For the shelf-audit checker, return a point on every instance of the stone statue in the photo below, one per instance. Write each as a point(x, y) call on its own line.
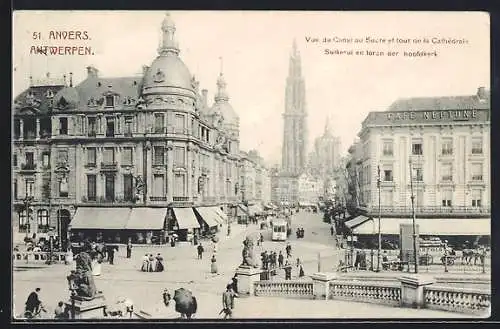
point(248, 254)
point(81, 280)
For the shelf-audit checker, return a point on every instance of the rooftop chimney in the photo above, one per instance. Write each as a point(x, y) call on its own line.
point(481, 93)
point(71, 79)
point(92, 72)
point(204, 98)
point(64, 79)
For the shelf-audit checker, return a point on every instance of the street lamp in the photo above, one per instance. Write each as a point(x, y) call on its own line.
point(379, 215)
point(413, 218)
point(446, 256)
point(27, 202)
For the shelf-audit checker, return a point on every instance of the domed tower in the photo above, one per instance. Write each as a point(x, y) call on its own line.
point(168, 75)
point(224, 115)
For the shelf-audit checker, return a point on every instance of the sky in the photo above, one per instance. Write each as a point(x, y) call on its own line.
point(255, 47)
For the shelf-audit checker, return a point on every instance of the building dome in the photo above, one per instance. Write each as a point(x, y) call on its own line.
point(168, 71)
point(67, 98)
point(222, 105)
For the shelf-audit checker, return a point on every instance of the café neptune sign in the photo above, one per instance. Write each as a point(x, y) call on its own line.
point(439, 115)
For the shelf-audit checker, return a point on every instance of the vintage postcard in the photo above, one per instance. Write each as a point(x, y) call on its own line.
point(250, 165)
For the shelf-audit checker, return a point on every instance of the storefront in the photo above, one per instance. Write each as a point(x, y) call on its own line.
point(209, 219)
point(186, 223)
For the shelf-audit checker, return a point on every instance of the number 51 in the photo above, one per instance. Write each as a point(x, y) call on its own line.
point(37, 35)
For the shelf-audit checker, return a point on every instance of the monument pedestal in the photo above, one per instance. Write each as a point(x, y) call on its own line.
point(321, 284)
point(412, 290)
point(246, 277)
point(87, 309)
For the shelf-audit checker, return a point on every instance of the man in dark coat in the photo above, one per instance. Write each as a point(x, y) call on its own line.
point(288, 271)
point(111, 254)
point(228, 302)
point(200, 251)
point(33, 302)
point(280, 259)
point(129, 249)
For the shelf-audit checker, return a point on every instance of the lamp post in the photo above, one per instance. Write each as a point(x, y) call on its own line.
point(413, 218)
point(27, 202)
point(446, 256)
point(379, 215)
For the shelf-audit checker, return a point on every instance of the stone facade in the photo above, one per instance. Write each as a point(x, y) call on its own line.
point(150, 140)
point(447, 141)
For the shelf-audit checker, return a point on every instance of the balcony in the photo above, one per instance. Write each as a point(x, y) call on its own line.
point(28, 167)
point(210, 199)
point(29, 135)
point(45, 135)
point(427, 211)
point(90, 165)
point(109, 166)
point(127, 134)
point(92, 133)
point(157, 198)
point(180, 198)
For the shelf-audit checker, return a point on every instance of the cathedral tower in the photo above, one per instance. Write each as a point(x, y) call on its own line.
point(295, 130)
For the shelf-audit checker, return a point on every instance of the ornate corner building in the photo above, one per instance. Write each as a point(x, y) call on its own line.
point(150, 142)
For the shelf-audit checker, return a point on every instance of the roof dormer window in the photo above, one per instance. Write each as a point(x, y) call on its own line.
point(50, 94)
point(110, 101)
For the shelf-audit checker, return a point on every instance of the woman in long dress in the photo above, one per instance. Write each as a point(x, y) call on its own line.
point(213, 266)
point(145, 263)
point(159, 263)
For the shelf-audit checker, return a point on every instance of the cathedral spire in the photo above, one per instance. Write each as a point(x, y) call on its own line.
point(328, 129)
point(168, 44)
point(221, 94)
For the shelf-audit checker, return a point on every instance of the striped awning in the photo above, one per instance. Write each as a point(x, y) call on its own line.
point(355, 222)
point(208, 216)
point(96, 218)
point(221, 216)
point(147, 219)
point(430, 226)
point(186, 218)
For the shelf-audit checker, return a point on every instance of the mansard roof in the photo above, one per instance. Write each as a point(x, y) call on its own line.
point(96, 87)
point(36, 99)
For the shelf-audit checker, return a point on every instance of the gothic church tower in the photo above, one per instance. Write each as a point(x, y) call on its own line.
point(295, 129)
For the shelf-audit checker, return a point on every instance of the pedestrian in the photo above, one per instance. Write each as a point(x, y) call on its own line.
point(331, 230)
point(298, 262)
point(280, 259)
point(301, 271)
point(213, 266)
point(228, 230)
point(200, 251)
point(261, 238)
point(288, 250)
point(288, 271)
point(145, 263)
point(159, 263)
point(228, 302)
point(234, 282)
point(60, 312)
point(129, 248)
point(129, 307)
point(151, 264)
point(111, 255)
point(166, 297)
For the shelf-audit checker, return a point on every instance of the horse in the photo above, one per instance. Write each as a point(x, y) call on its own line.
point(469, 254)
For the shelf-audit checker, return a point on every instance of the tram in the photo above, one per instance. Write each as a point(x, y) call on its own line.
point(279, 230)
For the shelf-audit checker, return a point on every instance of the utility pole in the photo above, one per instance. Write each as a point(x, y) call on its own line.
point(413, 219)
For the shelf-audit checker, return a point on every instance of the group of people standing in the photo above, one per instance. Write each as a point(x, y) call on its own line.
point(152, 264)
point(272, 261)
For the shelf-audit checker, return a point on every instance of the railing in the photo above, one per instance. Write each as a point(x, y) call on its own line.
point(381, 293)
point(158, 198)
point(180, 198)
point(458, 300)
point(395, 210)
point(28, 166)
point(37, 257)
point(296, 289)
point(209, 199)
point(109, 166)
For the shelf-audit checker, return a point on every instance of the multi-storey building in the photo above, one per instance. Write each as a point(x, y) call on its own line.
point(126, 156)
point(437, 148)
point(310, 188)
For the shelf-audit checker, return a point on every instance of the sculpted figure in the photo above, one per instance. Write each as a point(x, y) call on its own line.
point(248, 253)
point(81, 280)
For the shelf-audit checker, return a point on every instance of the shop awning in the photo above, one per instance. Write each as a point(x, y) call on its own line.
point(90, 218)
point(429, 226)
point(208, 216)
point(147, 219)
point(254, 209)
point(356, 221)
point(243, 208)
point(185, 218)
point(221, 216)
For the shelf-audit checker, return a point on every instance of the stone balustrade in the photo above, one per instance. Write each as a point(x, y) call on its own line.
point(381, 293)
point(29, 257)
point(295, 289)
point(454, 299)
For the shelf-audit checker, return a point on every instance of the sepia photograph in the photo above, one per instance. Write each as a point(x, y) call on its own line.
point(235, 165)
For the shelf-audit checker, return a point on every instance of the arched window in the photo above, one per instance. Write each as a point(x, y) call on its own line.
point(43, 219)
point(22, 221)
